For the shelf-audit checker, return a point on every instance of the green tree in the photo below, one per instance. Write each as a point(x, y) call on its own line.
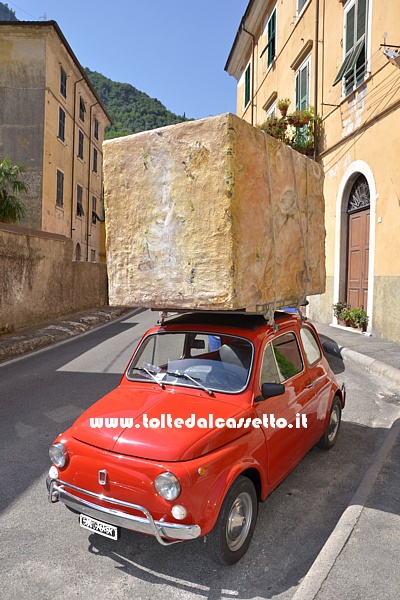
point(12, 209)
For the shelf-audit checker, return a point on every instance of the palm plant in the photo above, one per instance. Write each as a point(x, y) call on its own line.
point(12, 209)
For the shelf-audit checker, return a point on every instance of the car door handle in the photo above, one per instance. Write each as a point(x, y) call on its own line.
point(310, 384)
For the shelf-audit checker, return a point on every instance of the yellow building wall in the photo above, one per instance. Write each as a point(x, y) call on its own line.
point(359, 134)
point(63, 155)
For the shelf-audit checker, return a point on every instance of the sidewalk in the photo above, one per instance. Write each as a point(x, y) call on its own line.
point(361, 558)
point(373, 354)
point(32, 338)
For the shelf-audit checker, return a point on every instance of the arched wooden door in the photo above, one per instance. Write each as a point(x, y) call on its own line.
point(358, 211)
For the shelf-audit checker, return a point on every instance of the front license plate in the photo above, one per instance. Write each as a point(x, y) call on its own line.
point(99, 527)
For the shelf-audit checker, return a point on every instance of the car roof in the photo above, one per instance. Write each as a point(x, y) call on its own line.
point(232, 319)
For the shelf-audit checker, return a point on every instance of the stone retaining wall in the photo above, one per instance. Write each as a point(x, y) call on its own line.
point(39, 280)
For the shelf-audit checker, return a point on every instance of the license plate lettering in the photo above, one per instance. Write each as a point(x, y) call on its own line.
point(99, 527)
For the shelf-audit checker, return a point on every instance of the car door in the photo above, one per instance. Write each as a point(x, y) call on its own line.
point(319, 376)
point(285, 417)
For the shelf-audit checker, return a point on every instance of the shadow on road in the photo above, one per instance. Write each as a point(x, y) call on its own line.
point(293, 525)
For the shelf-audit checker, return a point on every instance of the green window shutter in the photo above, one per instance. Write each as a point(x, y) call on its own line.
point(361, 18)
point(350, 32)
point(247, 85)
point(353, 66)
point(271, 38)
point(302, 88)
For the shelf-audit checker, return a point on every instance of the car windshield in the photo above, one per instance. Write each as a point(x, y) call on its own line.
point(209, 361)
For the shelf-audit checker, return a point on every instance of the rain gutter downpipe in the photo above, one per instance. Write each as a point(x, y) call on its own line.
point(316, 74)
point(90, 163)
point(73, 159)
point(252, 72)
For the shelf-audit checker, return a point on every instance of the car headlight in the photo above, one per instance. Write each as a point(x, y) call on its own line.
point(167, 485)
point(58, 454)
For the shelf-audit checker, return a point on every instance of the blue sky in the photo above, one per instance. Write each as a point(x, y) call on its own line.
point(174, 50)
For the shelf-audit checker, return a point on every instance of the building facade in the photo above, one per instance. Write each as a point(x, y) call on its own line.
point(343, 58)
point(52, 122)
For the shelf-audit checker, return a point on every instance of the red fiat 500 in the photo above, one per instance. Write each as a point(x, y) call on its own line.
point(211, 414)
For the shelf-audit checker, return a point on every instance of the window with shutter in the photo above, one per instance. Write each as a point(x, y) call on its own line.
point(79, 204)
point(270, 48)
point(247, 85)
point(60, 188)
point(63, 83)
point(271, 38)
point(80, 144)
point(61, 124)
point(302, 87)
point(353, 67)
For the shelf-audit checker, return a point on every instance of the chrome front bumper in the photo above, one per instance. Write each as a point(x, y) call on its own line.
point(113, 516)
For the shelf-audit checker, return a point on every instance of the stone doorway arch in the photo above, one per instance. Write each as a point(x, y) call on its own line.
point(352, 193)
point(358, 233)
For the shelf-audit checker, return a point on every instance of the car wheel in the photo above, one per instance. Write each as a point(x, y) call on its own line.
point(232, 533)
point(330, 436)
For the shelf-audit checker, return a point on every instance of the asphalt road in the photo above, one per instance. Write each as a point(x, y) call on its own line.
point(44, 554)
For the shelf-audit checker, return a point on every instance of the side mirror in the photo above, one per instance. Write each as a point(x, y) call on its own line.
point(270, 390)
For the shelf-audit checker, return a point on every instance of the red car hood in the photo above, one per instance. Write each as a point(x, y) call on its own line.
point(105, 424)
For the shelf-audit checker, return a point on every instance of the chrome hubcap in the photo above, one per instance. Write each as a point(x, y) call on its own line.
point(239, 521)
point(333, 424)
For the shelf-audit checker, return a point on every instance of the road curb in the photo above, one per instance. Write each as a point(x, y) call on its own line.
point(325, 561)
point(376, 367)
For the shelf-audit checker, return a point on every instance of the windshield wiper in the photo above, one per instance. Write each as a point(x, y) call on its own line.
point(160, 383)
point(186, 376)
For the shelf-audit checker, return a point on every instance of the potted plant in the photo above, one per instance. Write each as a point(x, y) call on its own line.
point(359, 318)
point(340, 309)
point(300, 117)
point(275, 127)
point(283, 105)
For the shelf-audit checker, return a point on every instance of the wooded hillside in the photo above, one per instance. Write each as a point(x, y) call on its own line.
point(130, 109)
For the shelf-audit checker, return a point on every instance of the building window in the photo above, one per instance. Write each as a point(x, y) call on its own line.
point(95, 155)
point(302, 92)
point(60, 188)
point(61, 124)
point(80, 144)
point(270, 113)
point(353, 67)
point(247, 85)
point(82, 109)
point(63, 83)
point(300, 5)
point(95, 216)
point(93, 255)
point(271, 46)
point(79, 196)
point(96, 129)
point(78, 254)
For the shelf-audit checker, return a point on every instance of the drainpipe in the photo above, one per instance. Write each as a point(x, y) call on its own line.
point(89, 212)
point(316, 73)
point(252, 73)
point(73, 158)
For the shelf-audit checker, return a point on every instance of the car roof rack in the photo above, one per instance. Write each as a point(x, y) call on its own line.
point(269, 310)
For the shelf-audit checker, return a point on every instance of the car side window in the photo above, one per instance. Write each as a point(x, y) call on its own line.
point(310, 345)
point(269, 369)
point(287, 355)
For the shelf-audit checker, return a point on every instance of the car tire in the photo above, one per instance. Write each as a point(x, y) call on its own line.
point(230, 539)
point(330, 436)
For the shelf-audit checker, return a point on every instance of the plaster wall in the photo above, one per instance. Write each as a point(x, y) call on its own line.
point(22, 83)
